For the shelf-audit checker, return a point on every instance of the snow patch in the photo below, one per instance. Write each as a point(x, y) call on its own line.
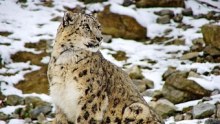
point(10, 109)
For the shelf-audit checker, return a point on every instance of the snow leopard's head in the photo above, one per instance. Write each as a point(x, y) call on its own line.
point(81, 31)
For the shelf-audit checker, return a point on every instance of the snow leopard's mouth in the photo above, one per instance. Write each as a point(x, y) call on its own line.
point(91, 45)
point(66, 50)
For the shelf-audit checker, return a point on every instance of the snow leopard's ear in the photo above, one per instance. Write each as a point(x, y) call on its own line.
point(70, 18)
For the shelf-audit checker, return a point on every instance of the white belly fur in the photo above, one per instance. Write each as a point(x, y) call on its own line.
point(66, 96)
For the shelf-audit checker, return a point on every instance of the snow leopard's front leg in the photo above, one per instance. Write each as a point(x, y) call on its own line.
point(60, 117)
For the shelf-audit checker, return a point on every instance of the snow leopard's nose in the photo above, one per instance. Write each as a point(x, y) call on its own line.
point(99, 38)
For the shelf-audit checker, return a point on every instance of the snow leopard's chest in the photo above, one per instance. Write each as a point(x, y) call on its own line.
point(66, 97)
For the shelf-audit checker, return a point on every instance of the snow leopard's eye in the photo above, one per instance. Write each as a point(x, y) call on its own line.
point(86, 26)
point(99, 27)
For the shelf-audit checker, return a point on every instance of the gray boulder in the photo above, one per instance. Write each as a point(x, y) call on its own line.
point(203, 110)
point(163, 107)
point(163, 19)
point(14, 100)
point(212, 121)
point(178, 88)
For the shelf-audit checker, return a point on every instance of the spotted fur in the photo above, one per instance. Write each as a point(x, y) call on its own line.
point(85, 87)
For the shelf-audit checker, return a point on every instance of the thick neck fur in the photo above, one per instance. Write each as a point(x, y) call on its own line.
point(66, 53)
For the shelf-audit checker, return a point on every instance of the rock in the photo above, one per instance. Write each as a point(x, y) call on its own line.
point(27, 120)
point(167, 31)
point(203, 110)
point(41, 118)
point(211, 35)
point(218, 110)
point(212, 121)
point(14, 116)
point(161, 3)
point(121, 25)
point(143, 85)
point(211, 51)
point(1, 61)
point(216, 70)
point(210, 15)
point(157, 94)
point(178, 18)
point(187, 12)
point(135, 73)
point(120, 56)
point(206, 99)
point(147, 93)
point(2, 97)
point(209, 59)
point(198, 41)
point(160, 39)
point(5, 33)
point(35, 101)
point(3, 116)
point(177, 42)
point(163, 107)
point(194, 74)
point(128, 2)
point(107, 38)
point(184, 26)
point(34, 106)
point(197, 48)
point(163, 19)
point(178, 117)
point(57, 18)
point(165, 12)
point(22, 1)
point(178, 88)
point(92, 1)
point(215, 92)
point(169, 71)
point(35, 113)
point(24, 112)
point(199, 16)
point(187, 116)
point(189, 56)
point(13, 100)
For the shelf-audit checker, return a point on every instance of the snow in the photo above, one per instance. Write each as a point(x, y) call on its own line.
point(147, 98)
point(181, 106)
point(10, 109)
point(200, 67)
point(2, 122)
point(16, 121)
point(201, 9)
point(44, 97)
point(209, 83)
point(138, 51)
point(147, 19)
point(45, 60)
point(116, 1)
point(195, 121)
point(95, 7)
point(19, 70)
point(10, 89)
